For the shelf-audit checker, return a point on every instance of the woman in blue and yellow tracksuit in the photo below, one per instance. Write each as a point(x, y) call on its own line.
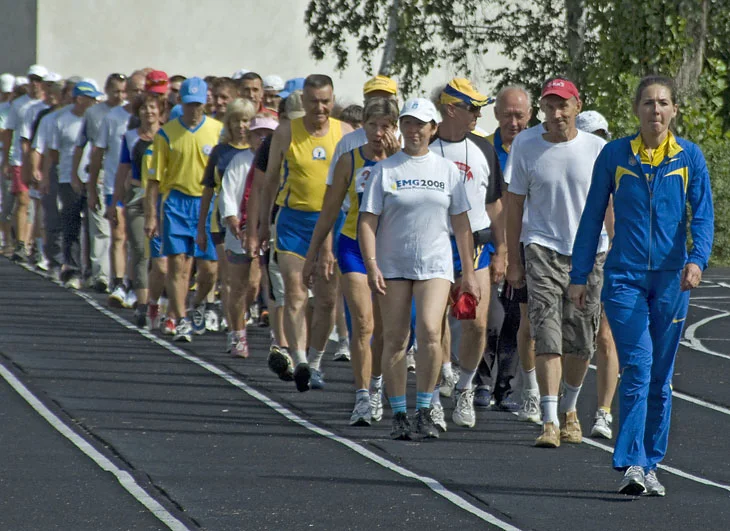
point(648, 272)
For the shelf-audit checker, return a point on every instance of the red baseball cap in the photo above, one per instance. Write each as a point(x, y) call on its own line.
point(560, 87)
point(157, 82)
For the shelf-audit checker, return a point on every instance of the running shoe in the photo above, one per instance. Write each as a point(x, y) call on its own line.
point(652, 485)
point(550, 436)
point(212, 323)
point(130, 301)
point(117, 296)
point(448, 382)
point(411, 360)
point(376, 404)
point(183, 330)
point(254, 312)
point(316, 379)
point(362, 413)
point(343, 350)
point(530, 410)
point(602, 425)
point(223, 326)
point(153, 314)
point(240, 344)
point(508, 405)
point(73, 282)
point(425, 427)
point(230, 340)
point(280, 363)
point(20, 254)
point(464, 413)
point(438, 417)
point(570, 430)
point(633, 482)
point(264, 318)
point(302, 374)
point(482, 397)
point(401, 430)
point(168, 327)
point(140, 317)
point(42, 264)
point(199, 319)
point(101, 285)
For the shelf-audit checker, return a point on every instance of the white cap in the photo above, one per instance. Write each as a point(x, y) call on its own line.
point(53, 77)
point(238, 74)
point(7, 82)
point(422, 109)
point(38, 70)
point(273, 83)
point(20, 81)
point(591, 121)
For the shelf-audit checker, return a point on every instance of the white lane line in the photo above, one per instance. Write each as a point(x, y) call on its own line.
point(431, 483)
point(692, 399)
point(710, 298)
point(124, 478)
point(690, 333)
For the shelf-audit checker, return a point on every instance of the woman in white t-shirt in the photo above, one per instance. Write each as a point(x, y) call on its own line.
point(404, 239)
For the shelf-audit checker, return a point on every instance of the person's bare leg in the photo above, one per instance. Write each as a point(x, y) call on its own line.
point(238, 275)
point(395, 308)
point(22, 202)
point(474, 333)
point(158, 274)
point(118, 249)
point(359, 301)
point(295, 303)
point(207, 276)
point(178, 283)
point(606, 365)
point(431, 297)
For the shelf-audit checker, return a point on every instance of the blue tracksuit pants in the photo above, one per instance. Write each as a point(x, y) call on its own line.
point(646, 311)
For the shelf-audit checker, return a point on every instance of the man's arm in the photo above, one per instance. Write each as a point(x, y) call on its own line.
point(515, 210)
point(279, 145)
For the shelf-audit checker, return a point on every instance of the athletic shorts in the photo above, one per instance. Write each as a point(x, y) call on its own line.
point(235, 253)
point(17, 185)
point(180, 227)
point(337, 230)
point(482, 256)
point(557, 325)
point(294, 230)
point(348, 256)
point(108, 201)
point(156, 247)
point(218, 237)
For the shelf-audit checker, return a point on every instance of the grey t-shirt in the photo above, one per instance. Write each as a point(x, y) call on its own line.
point(66, 130)
point(112, 129)
point(414, 197)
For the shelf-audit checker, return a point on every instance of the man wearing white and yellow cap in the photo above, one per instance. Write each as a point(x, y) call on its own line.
point(460, 105)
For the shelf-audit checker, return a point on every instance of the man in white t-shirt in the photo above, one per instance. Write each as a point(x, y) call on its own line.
point(550, 176)
point(66, 131)
point(7, 83)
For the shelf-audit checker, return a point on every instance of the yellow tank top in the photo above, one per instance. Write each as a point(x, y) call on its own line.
point(359, 175)
point(304, 173)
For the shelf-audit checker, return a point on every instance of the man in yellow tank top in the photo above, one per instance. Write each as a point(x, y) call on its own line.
point(301, 152)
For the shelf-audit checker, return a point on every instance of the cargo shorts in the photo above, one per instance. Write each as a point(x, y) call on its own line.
point(556, 324)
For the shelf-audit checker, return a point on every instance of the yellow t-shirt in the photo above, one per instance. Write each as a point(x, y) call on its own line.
point(306, 163)
point(180, 155)
point(359, 175)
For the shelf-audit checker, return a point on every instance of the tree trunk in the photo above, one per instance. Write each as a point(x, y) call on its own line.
point(575, 16)
point(391, 40)
point(693, 57)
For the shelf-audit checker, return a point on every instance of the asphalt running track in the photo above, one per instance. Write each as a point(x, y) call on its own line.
point(104, 427)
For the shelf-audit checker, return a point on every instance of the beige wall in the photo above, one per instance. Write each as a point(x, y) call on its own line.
point(96, 37)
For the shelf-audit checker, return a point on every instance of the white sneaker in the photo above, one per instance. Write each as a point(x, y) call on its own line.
point(376, 404)
point(211, 321)
point(602, 425)
point(73, 283)
point(437, 416)
point(530, 410)
point(448, 382)
point(362, 413)
point(464, 414)
point(130, 301)
point(652, 485)
point(343, 350)
point(411, 360)
point(117, 296)
point(183, 331)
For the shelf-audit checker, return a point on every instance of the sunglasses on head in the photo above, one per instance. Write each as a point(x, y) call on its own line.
point(119, 77)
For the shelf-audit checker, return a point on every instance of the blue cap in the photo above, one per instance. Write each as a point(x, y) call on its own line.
point(291, 85)
point(194, 90)
point(84, 88)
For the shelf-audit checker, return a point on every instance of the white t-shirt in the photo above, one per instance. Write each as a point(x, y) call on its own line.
point(555, 178)
point(15, 123)
point(523, 135)
point(44, 135)
point(479, 168)
point(414, 197)
point(233, 185)
point(109, 137)
point(66, 130)
point(4, 111)
point(93, 119)
point(30, 113)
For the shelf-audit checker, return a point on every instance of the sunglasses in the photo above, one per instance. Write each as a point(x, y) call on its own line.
point(118, 77)
point(473, 109)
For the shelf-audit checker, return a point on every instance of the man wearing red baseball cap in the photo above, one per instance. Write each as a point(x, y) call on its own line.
point(550, 174)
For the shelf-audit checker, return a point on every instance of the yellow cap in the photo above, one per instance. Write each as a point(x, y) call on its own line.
point(383, 83)
point(460, 90)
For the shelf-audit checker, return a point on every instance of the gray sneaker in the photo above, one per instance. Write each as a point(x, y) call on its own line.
point(362, 414)
point(376, 404)
point(652, 485)
point(437, 415)
point(602, 425)
point(425, 427)
point(632, 483)
point(530, 410)
point(464, 413)
point(448, 382)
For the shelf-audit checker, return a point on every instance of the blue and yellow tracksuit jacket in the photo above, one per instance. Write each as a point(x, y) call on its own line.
point(649, 205)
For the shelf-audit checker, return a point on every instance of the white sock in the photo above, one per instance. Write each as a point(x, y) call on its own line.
point(315, 358)
point(465, 379)
point(529, 380)
point(436, 397)
point(569, 401)
point(300, 357)
point(446, 370)
point(549, 407)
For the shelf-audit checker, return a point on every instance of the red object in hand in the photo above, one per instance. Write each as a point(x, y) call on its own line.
point(464, 305)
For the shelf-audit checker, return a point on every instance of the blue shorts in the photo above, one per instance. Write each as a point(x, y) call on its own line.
point(180, 226)
point(108, 201)
point(348, 255)
point(294, 230)
point(156, 247)
point(337, 230)
point(482, 256)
